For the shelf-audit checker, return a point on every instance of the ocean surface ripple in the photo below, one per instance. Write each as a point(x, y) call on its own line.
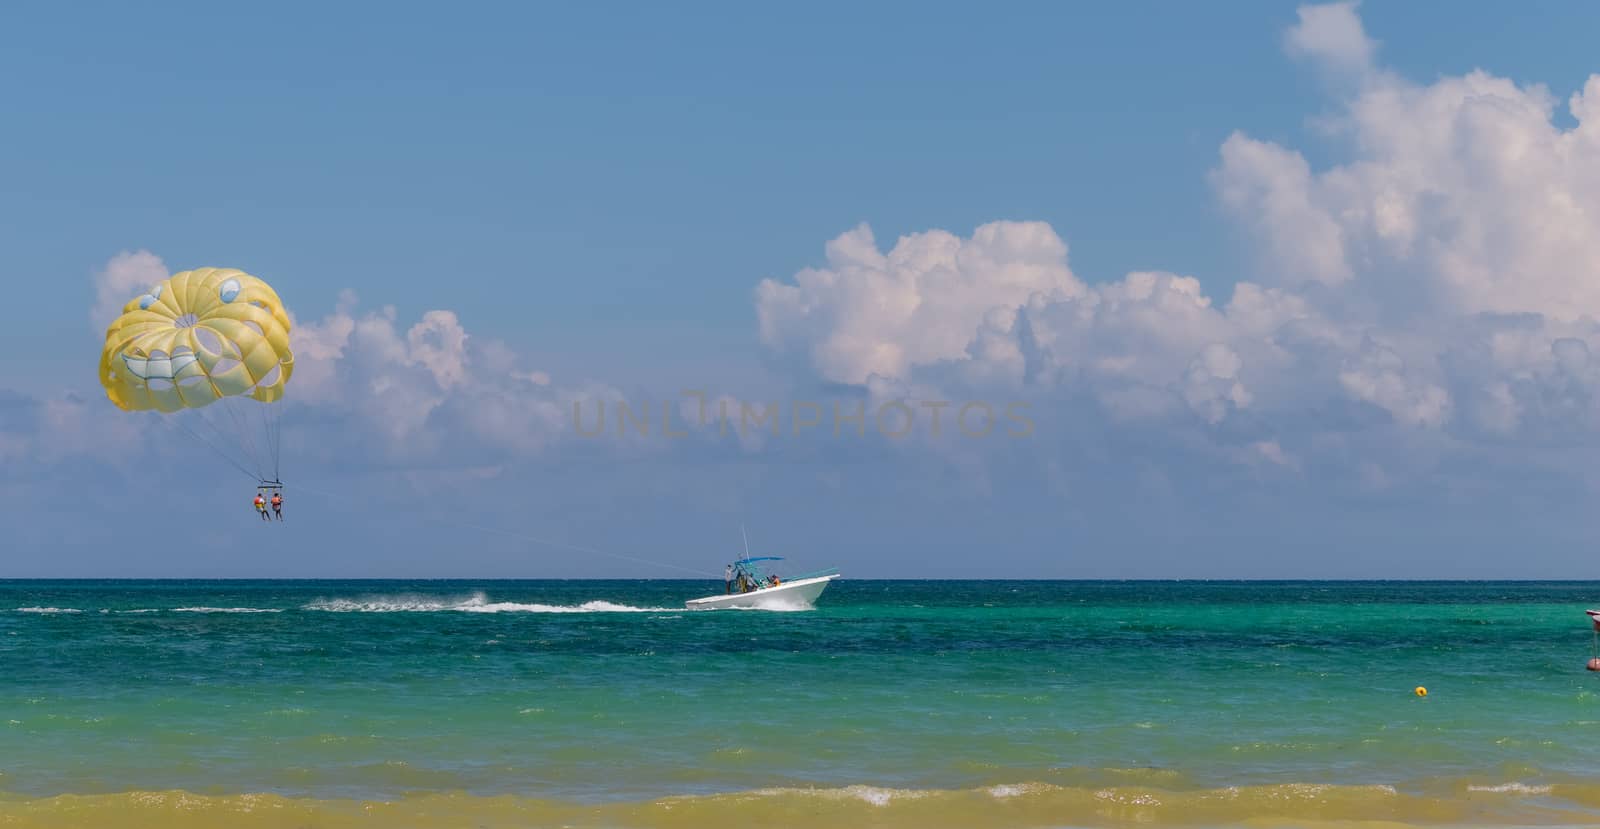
point(893, 703)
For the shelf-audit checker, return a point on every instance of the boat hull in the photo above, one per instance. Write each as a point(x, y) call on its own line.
point(800, 594)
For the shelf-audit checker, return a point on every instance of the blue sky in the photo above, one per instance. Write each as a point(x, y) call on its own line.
point(596, 193)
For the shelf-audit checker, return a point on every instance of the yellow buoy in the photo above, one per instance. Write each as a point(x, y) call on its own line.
point(1421, 691)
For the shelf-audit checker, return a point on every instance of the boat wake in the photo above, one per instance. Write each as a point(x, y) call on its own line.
point(776, 606)
point(227, 610)
point(476, 603)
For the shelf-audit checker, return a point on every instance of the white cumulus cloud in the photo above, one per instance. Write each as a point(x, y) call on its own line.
point(126, 276)
point(1440, 280)
point(1463, 195)
point(870, 312)
point(429, 389)
point(1332, 34)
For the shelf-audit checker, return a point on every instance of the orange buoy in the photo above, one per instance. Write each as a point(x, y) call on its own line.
point(1594, 664)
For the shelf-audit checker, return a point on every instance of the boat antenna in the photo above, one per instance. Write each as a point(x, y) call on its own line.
point(746, 541)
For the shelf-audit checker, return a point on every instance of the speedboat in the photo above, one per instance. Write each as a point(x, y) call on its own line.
point(754, 589)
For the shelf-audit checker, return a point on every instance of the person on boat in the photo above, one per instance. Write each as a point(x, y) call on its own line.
point(727, 579)
point(277, 505)
point(261, 506)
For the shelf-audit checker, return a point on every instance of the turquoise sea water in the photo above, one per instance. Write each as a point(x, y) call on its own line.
point(606, 691)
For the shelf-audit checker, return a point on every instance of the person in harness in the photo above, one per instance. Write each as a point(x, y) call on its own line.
point(277, 505)
point(261, 506)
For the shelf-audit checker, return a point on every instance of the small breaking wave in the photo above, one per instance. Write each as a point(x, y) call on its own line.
point(872, 795)
point(1003, 806)
point(48, 610)
point(1005, 790)
point(477, 603)
point(1514, 788)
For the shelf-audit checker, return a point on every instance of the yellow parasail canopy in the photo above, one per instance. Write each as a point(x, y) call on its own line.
point(196, 338)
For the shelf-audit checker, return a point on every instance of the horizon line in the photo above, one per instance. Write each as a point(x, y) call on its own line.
point(1251, 580)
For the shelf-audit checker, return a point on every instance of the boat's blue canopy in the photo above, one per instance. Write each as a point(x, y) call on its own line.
point(760, 558)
